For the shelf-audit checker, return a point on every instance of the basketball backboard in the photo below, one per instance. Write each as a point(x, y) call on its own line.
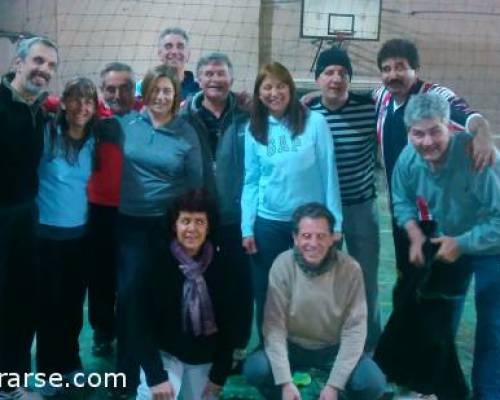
point(340, 19)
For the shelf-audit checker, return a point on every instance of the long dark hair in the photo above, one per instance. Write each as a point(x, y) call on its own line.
point(295, 114)
point(75, 88)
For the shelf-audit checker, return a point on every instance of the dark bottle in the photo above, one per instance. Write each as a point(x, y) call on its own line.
point(434, 275)
point(439, 279)
point(429, 228)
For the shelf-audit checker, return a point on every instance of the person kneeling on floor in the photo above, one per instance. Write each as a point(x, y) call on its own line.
point(315, 317)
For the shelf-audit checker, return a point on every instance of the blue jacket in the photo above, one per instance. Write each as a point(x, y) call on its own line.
point(287, 173)
point(465, 203)
point(62, 195)
point(159, 164)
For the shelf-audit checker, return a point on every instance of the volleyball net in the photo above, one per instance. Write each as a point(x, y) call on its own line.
point(457, 39)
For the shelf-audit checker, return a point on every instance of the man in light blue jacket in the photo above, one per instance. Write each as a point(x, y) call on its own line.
point(437, 166)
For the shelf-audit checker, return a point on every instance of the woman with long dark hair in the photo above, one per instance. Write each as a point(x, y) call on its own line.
point(184, 324)
point(64, 170)
point(289, 161)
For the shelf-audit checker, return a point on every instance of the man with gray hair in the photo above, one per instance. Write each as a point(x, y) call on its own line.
point(22, 93)
point(436, 169)
point(220, 122)
point(173, 51)
point(399, 64)
point(117, 88)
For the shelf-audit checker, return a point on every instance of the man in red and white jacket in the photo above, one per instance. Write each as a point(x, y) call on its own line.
point(398, 61)
point(104, 195)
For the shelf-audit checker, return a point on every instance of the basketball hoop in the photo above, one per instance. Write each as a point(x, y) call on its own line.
point(340, 20)
point(336, 21)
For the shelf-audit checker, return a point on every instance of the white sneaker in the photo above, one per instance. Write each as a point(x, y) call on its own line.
point(420, 396)
point(415, 396)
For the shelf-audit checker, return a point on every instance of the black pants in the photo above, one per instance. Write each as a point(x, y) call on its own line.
point(18, 284)
point(228, 237)
point(133, 260)
point(417, 348)
point(102, 271)
point(406, 272)
point(60, 304)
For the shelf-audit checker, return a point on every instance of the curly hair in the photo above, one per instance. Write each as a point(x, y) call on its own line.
point(195, 200)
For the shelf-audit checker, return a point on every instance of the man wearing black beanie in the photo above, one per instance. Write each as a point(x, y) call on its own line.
point(333, 56)
point(351, 119)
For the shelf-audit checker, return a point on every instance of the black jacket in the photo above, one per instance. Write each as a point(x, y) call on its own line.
point(159, 317)
point(225, 180)
point(21, 146)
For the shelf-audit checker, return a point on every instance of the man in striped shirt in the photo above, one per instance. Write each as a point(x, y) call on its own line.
point(351, 119)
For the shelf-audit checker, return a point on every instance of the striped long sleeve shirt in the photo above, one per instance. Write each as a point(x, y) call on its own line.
point(353, 128)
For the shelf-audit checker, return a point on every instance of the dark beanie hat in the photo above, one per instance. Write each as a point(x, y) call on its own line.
point(333, 56)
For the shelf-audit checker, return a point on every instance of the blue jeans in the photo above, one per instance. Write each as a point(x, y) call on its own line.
point(271, 238)
point(362, 237)
point(486, 366)
point(367, 382)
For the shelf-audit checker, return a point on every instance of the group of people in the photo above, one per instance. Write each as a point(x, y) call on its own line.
point(178, 203)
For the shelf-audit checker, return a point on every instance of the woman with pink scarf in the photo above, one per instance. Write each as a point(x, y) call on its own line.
point(183, 326)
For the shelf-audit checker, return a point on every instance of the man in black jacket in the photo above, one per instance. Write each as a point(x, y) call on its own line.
point(220, 123)
point(21, 142)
